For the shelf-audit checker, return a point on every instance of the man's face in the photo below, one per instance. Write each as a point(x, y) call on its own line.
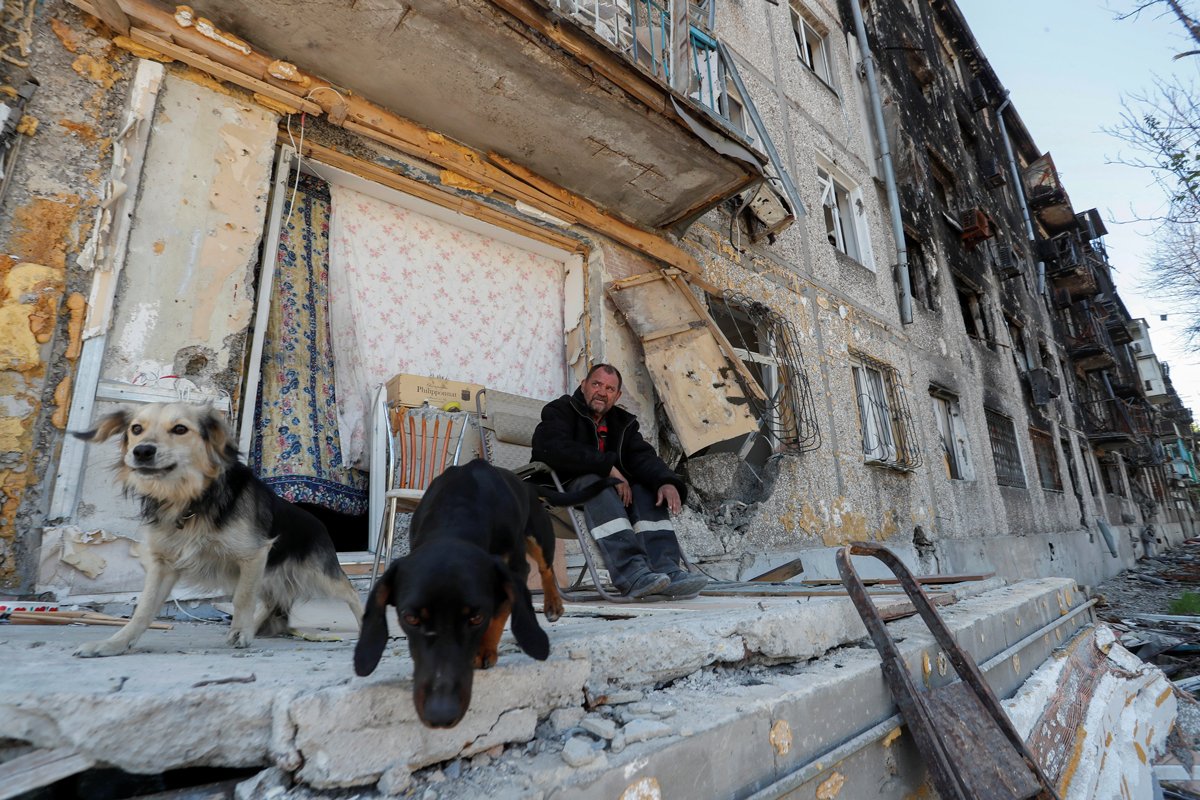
point(600, 392)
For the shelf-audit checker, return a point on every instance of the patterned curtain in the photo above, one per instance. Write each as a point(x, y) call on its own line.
point(296, 448)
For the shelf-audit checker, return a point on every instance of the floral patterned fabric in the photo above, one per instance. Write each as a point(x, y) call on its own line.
point(412, 294)
point(296, 448)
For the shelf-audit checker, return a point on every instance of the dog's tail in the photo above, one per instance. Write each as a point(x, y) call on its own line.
point(576, 497)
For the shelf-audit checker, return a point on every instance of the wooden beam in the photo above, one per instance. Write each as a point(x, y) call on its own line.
point(747, 378)
point(386, 177)
point(38, 769)
point(110, 13)
point(222, 72)
point(648, 243)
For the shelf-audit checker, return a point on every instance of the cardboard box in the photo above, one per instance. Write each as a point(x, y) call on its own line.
point(413, 390)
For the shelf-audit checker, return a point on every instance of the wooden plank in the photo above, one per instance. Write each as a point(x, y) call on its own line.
point(671, 331)
point(782, 572)
point(382, 175)
point(222, 72)
point(921, 579)
point(110, 13)
point(907, 609)
point(751, 383)
point(39, 769)
point(643, 241)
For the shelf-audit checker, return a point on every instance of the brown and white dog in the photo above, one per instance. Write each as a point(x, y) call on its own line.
point(211, 522)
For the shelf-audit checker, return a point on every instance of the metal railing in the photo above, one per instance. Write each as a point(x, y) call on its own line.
point(681, 53)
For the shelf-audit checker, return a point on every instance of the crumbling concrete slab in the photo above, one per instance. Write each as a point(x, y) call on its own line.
point(182, 698)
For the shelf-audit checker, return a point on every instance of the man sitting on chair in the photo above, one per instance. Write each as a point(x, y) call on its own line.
point(584, 437)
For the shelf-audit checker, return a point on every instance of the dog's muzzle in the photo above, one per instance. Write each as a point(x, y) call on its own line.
point(145, 459)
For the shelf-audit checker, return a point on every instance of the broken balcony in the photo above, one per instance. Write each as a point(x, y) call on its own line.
point(1087, 342)
point(619, 105)
point(1047, 198)
point(1072, 265)
point(1114, 424)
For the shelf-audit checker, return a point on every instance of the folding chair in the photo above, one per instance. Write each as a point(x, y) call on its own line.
point(418, 443)
point(506, 437)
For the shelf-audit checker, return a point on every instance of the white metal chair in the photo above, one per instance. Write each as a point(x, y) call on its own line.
point(412, 446)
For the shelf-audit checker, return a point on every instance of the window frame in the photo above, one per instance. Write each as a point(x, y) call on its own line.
point(804, 31)
point(1046, 457)
point(1006, 452)
point(887, 435)
point(844, 214)
point(952, 432)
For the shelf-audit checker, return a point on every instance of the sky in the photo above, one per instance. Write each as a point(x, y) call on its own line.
point(1067, 64)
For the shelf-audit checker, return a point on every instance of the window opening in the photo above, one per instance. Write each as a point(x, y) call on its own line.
point(842, 211)
point(1047, 460)
point(952, 434)
point(812, 47)
point(887, 429)
point(769, 345)
point(1005, 453)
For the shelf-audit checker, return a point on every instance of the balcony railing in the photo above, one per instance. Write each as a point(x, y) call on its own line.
point(1087, 340)
point(1116, 421)
point(684, 55)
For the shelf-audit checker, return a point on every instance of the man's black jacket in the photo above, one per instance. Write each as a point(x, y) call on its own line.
point(567, 441)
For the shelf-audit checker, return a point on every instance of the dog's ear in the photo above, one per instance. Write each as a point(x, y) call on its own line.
point(372, 639)
point(529, 635)
point(106, 426)
point(216, 435)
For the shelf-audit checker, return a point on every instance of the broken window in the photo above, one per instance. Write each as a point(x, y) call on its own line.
point(1016, 334)
point(922, 273)
point(845, 215)
point(1005, 454)
point(812, 47)
point(769, 346)
point(1047, 460)
point(887, 429)
point(952, 433)
point(974, 310)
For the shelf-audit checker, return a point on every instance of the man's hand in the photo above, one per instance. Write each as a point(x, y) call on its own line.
point(623, 490)
point(667, 493)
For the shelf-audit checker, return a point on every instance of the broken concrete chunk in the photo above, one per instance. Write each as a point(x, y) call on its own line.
point(604, 728)
point(642, 729)
point(618, 742)
point(269, 783)
point(662, 710)
point(563, 718)
point(579, 752)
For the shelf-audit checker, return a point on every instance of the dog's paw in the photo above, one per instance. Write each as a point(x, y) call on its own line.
point(552, 609)
point(239, 638)
point(104, 647)
point(486, 659)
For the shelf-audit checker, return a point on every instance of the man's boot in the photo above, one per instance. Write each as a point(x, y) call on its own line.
point(627, 566)
point(662, 548)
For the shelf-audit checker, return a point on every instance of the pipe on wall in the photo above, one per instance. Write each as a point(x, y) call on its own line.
point(1019, 186)
point(889, 174)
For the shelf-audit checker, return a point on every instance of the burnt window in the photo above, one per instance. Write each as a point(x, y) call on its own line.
point(922, 273)
point(952, 434)
point(1047, 460)
point(1005, 454)
point(974, 310)
point(1016, 334)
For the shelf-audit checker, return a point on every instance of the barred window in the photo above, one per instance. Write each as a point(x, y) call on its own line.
point(1005, 453)
point(769, 345)
point(1047, 460)
point(888, 437)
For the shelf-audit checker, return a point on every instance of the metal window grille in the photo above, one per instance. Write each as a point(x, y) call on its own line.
point(1005, 453)
point(888, 434)
point(770, 347)
point(1047, 461)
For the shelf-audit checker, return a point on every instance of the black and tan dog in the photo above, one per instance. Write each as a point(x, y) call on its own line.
point(210, 522)
point(464, 577)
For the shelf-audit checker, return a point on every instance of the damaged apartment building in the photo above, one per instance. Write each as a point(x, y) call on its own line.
point(850, 298)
